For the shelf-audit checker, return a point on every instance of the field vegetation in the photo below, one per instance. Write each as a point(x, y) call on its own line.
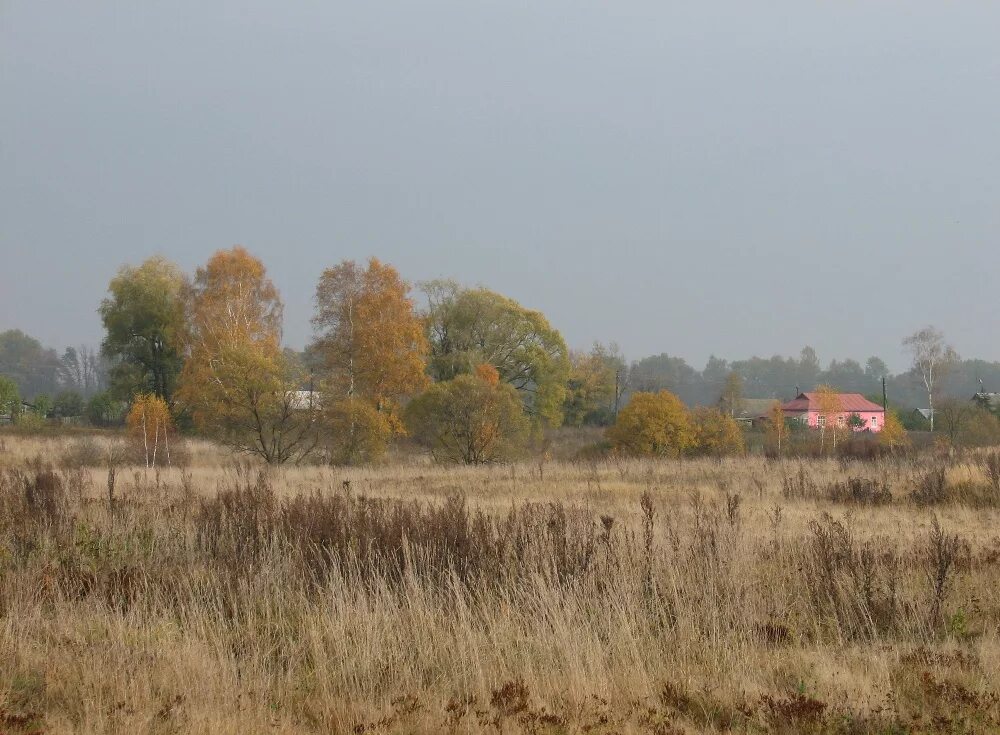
point(690, 595)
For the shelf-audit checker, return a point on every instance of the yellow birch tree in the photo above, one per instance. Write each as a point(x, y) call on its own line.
point(149, 423)
point(830, 411)
point(237, 382)
point(373, 350)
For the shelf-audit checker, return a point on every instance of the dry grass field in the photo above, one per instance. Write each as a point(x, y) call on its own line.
point(696, 596)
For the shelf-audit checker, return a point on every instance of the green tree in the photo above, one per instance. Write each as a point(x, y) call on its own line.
point(68, 404)
point(104, 410)
point(43, 405)
point(470, 419)
point(144, 321)
point(653, 425)
point(467, 327)
point(10, 398)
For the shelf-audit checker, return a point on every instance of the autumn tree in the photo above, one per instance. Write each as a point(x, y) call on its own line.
point(467, 327)
point(236, 381)
point(652, 425)
point(356, 432)
point(470, 419)
point(932, 359)
point(830, 413)
point(594, 377)
point(731, 399)
point(715, 433)
point(777, 426)
point(893, 435)
point(371, 348)
point(149, 423)
point(144, 320)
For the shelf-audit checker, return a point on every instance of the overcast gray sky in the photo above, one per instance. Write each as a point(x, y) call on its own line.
point(689, 177)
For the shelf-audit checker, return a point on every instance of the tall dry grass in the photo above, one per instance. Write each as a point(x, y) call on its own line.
point(631, 597)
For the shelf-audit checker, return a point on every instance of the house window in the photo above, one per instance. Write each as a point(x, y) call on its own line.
point(841, 420)
point(822, 421)
point(874, 422)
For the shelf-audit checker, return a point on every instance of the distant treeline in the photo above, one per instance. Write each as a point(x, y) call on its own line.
point(39, 370)
point(779, 377)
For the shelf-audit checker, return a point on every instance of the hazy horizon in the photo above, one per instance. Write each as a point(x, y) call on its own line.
point(694, 179)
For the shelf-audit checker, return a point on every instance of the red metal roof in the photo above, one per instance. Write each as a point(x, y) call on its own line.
point(849, 403)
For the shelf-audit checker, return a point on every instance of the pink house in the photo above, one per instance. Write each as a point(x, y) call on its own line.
point(806, 408)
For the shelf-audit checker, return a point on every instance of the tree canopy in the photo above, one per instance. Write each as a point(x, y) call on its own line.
point(467, 327)
point(470, 419)
point(653, 425)
point(370, 341)
point(144, 320)
point(236, 381)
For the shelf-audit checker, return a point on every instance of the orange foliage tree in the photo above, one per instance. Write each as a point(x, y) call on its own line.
point(236, 382)
point(373, 350)
point(149, 422)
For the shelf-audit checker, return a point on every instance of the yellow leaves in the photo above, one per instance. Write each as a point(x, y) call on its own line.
point(149, 422)
point(777, 429)
point(233, 301)
point(893, 434)
point(359, 433)
point(148, 416)
point(830, 413)
point(372, 341)
point(716, 433)
point(653, 424)
point(829, 403)
point(660, 425)
point(234, 337)
point(373, 348)
point(236, 381)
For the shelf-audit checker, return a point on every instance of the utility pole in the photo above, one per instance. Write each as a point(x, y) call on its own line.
point(618, 373)
point(885, 400)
